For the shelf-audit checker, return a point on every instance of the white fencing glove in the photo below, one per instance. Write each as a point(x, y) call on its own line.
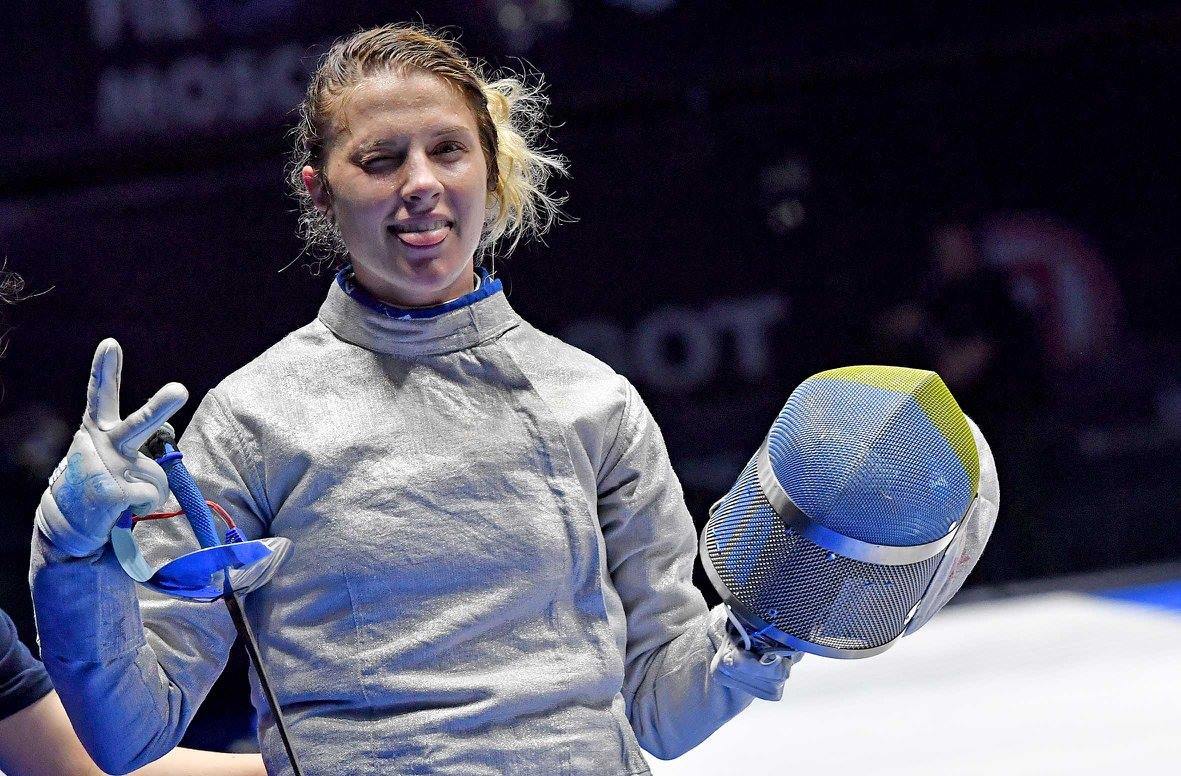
point(749, 663)
point(104, 474)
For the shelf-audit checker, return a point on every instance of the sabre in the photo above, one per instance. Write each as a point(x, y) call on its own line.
point(243, 566)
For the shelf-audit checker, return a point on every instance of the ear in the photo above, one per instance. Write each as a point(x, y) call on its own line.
point(317, 188)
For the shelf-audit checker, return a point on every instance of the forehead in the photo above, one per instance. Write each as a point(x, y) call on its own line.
point(402, 103)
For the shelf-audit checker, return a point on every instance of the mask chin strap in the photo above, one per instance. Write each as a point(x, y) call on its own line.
point(220, 570)
point(760, 643)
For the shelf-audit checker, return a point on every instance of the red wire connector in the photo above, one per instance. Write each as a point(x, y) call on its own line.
point(216, 508)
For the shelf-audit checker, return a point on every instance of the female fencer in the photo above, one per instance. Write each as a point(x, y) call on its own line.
point(492, 555)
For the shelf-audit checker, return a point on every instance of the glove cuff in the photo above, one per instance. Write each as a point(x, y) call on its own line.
point(755, 667)
point(59, 532)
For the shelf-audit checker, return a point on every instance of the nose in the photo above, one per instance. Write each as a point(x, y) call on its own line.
point(421, 188)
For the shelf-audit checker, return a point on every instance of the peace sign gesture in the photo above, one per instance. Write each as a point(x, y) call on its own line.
point(104, 474)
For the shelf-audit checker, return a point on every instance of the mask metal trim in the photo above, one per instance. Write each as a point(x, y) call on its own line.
point(786, 639)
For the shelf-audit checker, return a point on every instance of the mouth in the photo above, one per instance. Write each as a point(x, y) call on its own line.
point(421, 233)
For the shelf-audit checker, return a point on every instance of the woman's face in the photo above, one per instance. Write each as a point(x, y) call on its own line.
point(408, 184)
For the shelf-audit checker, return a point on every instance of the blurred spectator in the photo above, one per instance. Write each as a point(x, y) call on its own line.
point(1024, 320)
point(1112, 391)
point(1059, 275)
point(964, 324)
point(32, 437)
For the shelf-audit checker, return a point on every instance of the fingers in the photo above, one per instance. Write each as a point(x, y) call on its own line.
point(144, 498)
point(146, 486)
point(102, 395)
point(129, 435)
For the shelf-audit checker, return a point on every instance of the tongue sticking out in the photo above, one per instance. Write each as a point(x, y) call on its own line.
point(424, 239)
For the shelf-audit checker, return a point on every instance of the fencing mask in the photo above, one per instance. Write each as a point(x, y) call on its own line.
point(858, 517)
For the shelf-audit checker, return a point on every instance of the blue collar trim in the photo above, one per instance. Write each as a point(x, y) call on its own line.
point(348, 283)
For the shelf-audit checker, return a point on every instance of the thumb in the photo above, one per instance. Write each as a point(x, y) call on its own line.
point(129, 435)
point(146, 487)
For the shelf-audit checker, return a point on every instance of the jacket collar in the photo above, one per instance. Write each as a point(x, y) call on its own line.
point(356, 317)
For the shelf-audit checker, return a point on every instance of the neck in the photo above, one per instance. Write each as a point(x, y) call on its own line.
point(473, 285)
point(481, 285)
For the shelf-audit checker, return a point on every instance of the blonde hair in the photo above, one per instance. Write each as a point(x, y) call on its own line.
point(510, 121)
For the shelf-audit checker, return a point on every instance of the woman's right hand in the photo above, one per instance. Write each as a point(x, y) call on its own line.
point(104, 474)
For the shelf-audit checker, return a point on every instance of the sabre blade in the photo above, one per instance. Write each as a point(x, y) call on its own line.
point(244, 630)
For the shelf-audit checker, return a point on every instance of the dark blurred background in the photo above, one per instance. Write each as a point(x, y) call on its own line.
point(760, 193)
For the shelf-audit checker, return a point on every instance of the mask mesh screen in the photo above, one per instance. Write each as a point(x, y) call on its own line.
point(801, 588)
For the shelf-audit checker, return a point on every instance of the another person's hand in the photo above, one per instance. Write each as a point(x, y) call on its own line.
point(38, 740)
point(104, 474)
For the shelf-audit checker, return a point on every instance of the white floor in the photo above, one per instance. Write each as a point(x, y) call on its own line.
point(1059, 683)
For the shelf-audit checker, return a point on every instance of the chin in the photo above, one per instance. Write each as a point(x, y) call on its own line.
point(430, 280)
point(433, 270)
point(413, 278)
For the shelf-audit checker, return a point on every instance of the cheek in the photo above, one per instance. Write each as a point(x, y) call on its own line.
point(473, 188)
point(474, 216)
point(362, 200)
point(479, 203)
point(473, 196)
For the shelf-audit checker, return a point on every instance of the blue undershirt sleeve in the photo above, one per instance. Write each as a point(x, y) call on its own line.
point(23, 680)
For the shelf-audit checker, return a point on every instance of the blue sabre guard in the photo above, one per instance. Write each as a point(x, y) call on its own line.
point(219, 568)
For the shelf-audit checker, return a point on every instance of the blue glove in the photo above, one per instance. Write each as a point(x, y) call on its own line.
point(104, 474)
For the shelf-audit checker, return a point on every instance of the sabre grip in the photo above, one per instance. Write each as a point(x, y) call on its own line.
point(162, 447)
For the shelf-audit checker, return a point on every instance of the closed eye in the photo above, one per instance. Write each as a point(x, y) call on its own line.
point(380, 162)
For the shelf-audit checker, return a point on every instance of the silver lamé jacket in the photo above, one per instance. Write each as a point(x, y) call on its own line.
point(491, 570)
